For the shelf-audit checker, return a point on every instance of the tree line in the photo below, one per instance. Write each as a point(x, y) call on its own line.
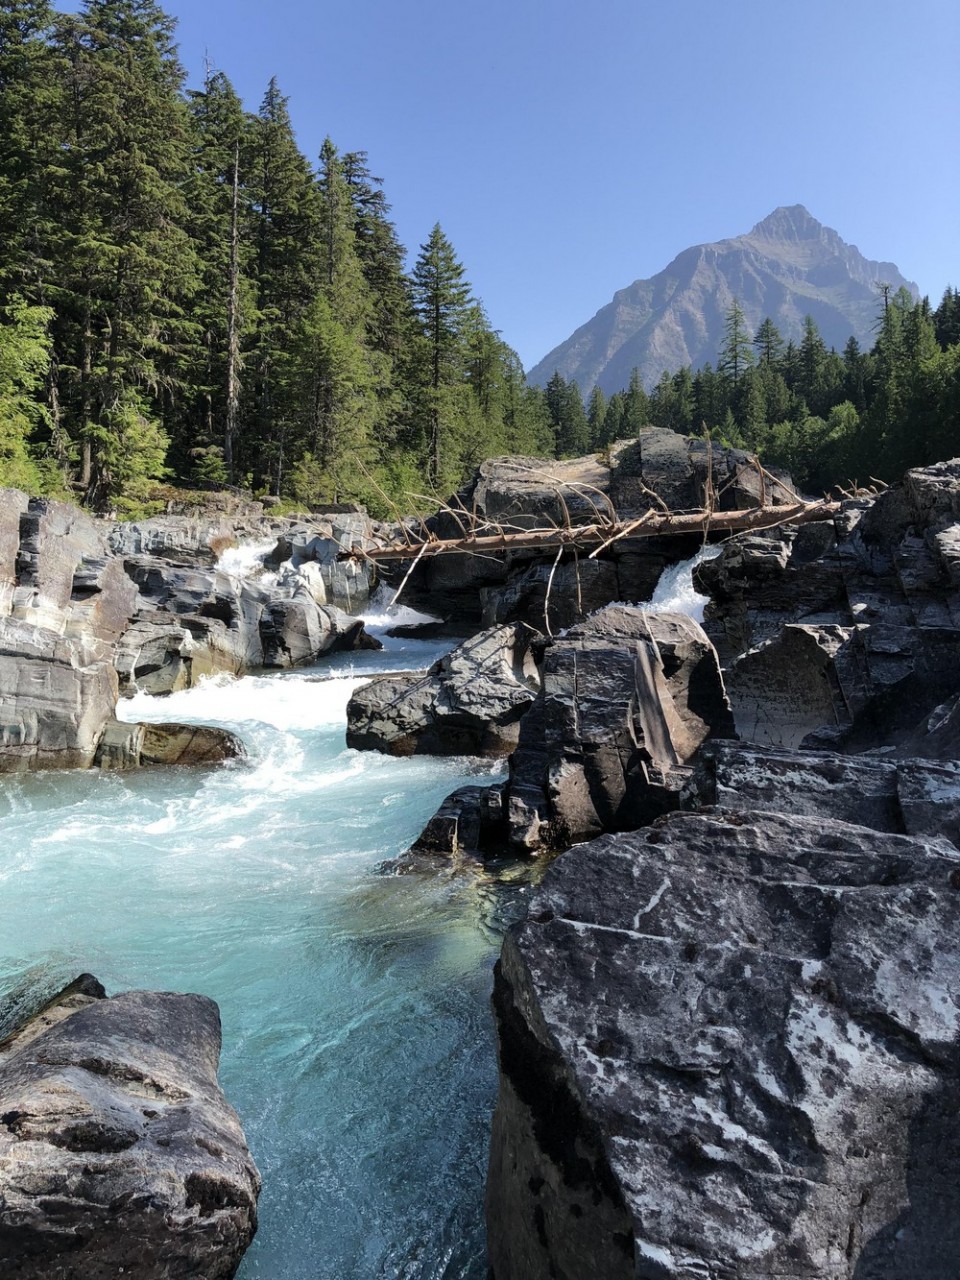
point(827, 417)
point(185, 296)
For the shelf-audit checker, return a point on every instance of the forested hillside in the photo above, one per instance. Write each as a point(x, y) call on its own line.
point(828, 417)
point(186, 296)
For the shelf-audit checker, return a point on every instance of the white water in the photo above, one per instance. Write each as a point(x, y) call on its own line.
point(357, 1036)
point(358, 1044)
point(675, 592)
point(247, 559)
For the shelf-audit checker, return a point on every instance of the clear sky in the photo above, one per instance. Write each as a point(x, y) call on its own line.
point(569, 148)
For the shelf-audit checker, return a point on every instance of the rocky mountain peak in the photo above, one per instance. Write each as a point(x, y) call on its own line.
point(789, 222)
point(788, 267)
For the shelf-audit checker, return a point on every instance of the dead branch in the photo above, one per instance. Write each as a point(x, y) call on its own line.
point(651, 525)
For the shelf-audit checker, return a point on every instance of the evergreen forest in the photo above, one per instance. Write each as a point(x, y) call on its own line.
point(187, 299)
point(828, 418)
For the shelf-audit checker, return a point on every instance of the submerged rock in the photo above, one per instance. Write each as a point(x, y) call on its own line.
point(119, 1154)
point(729, 1047)
point(469, 703)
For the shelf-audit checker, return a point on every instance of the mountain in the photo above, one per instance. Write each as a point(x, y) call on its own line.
point(788, 267)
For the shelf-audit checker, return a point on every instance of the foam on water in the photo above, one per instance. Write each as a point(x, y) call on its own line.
point(381, 613)
point(675, 592)
point(246, 559)
point(358, 1043)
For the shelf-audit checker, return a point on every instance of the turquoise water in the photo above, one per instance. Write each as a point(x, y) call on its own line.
point(358, 1044)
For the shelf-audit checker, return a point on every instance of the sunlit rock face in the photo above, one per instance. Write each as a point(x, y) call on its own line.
point(729, 1046)
point(118, 1152)
point(787, 267)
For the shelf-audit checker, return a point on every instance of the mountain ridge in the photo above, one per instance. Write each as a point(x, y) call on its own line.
point(788, 266)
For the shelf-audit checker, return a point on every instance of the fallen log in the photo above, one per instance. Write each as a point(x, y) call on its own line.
point(653, 525)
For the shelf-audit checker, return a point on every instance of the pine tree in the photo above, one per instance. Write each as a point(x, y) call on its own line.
point(636, 406)
point(570, 427)
point(769, 344)
point(441, 297)
point(286, 271)
point(223, 311)
point(736, 354)
point(123, 265)
point(596, 418)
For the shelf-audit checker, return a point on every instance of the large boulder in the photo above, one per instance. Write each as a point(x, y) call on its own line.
point(119, 1154)
point(729, 1047)
point(198, 621)
point(844, 632)
point(469, 703)
point(628, 698)
point(131, 746)
point(517, 493)
point(56, 694)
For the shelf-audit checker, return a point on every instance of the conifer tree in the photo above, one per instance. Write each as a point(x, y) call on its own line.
point(736, 354)
point(286, 271)
point(441, 297)
point(596, 418)
point(224, 307)
point(123, 263)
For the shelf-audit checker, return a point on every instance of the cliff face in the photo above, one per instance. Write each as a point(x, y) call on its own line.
point(789, 266)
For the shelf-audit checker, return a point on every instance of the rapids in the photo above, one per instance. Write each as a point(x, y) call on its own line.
point(358, 1046)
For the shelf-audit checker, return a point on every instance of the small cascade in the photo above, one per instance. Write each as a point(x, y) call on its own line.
point(675, 592)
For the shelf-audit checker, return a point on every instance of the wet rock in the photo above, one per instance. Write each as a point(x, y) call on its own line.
point(118, 1152)
point(131, 746)
point(729, 1047)
point(471, 821)
point(469, 703)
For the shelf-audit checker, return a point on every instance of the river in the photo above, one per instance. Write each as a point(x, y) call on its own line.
point(358, 1043)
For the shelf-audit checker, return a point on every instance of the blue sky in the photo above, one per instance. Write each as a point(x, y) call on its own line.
point(568, 149)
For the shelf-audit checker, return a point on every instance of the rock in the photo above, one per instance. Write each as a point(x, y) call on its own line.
point(56, 694)
point(312, 552)
point(233, 625)
point(789, 687)
point(471, 822)
point(518, 493)
point(118, 1152)
point(13, 504)
point(469, 703)
point(729, 1047)
point(628, 698)
point(129, 746)
point(843, 633)
point(194, 541)
point(578, 588)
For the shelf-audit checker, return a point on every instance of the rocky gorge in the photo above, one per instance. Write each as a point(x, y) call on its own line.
point(726, 1026)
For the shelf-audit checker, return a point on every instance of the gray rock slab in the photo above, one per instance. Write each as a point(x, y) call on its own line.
point(119, 1154)
point(729, 1048)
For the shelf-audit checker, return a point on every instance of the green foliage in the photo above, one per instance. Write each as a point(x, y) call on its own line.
point(24, 363)
point(827, 418)
point(184, 294)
